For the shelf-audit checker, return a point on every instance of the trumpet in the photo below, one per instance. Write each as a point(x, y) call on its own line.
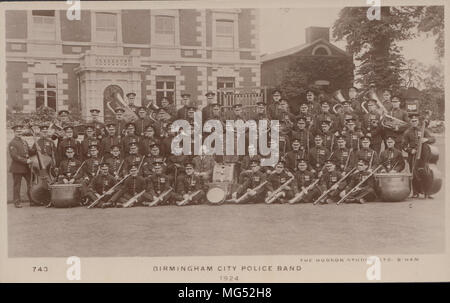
point(338, 96)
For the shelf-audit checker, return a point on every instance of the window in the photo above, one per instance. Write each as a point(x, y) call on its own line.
point(45, 91)
point(43, 25)
point(321, 51)
point(165, 87)
point(225, 82)
point(225, 34)
point(165, 30)
point(106, 27)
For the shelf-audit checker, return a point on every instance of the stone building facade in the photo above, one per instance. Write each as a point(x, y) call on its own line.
point(76, 65)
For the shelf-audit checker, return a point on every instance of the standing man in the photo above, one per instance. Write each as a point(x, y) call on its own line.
point(120, 122)
point(142, 122)
point(19, 152)
point(109, 140)
point(131, 98)
point(272, 109)
point(207, 110)
point(397, 131)
point(99, 127)
point(182, 112)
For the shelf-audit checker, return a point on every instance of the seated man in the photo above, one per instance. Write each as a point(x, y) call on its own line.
point(131, 187)
point(303, 178)
point(190, 188)
point(253, 184)
point(391, 158)
point(361, 192)
point(68, 167)
point(275, 181)
point(100, 184)
point(157, 186)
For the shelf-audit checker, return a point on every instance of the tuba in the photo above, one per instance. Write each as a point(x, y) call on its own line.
point(339, 97)
point(387, 120)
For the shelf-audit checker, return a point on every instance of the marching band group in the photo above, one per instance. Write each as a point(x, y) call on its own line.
point(330, 150)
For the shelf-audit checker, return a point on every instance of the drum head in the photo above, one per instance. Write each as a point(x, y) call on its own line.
point(216, 195)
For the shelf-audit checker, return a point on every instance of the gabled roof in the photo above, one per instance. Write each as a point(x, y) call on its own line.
point(296, 49)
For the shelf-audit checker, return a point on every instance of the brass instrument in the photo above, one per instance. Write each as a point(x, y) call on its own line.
point(338, 96)
point(387, 120)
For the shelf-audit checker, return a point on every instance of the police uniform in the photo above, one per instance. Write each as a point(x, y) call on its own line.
point(303, 179)
point(158, 184)
point(19, 152)
point(392, 159)
point(365, 191)
point(142, 123)
point(189, 184)
point(251, 182)
point(132, 186)
point(100, 184)
point(67, 168)
point(275, 180)
point(108, 141)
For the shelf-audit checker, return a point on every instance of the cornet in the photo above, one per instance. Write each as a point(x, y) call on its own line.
point(387, 120)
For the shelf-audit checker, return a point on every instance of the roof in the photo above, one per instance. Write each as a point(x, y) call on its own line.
point(298, 48)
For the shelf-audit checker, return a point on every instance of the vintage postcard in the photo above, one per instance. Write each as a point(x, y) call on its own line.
point(224, 141)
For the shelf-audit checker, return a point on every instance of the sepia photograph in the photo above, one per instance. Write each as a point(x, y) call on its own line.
point(224, 129)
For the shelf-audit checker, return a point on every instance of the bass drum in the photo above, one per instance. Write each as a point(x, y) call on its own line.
point(217, 192)
point(65, 195)
point(393, 187)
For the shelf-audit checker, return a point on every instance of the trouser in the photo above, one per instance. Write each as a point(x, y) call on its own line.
point(196, 199)
point(288, 194)
point(258, 198)
point(418, 184)
point(17, 181)
point(368, 193)
point(316, 192)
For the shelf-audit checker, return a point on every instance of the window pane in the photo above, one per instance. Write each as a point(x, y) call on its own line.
point(159, 96)
point(39, 81)
point(224, 27)
point(164, 24)
point(159, 85)
point(51, 81)
point(39, 99)
point(225, 42)
point(106, 35)
point(43, 13)
point(230, 84)
point(170, 85)
point(165, 39)
point(51, 99)
point(169, 95)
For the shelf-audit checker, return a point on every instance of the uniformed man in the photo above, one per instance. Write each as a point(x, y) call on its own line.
point(148, 166)
point(327, 134)
point(20, 156)
point(387, 94)
point(88, 171)
point(133, 157)
point(309, 118)
point(303, 178)
point(366, 153)
point(284, 114)
point(351, 134)
point(250, 184)
point(297, 153)
point(131, 98)
point(98, 126)
point(100, 184)
point(276, 180)
point(397, 131)
point(120, 122)
point(188, 184)
point(115, 162)
point(207, 110)
point(301, 132)
point(46, 147)
point(272, 109)
point(142, 122)
point(318, 154)
point(169, 107)
point(148, 140)
point(89, 139)
point(261, 113)
point(343, 157)
point(328, 180)
point(68, 167)
point(237, 113)
point(132, 186)
point(326, 115)
point(158, 184)
point(185, 101)
point(313, 105)
point(109, 140)
point(361, 192)
point(391, 158)
point(411, 140)
point(67, 140)
point(129, 137)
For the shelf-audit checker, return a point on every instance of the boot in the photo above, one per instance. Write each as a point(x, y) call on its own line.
point(17, 204)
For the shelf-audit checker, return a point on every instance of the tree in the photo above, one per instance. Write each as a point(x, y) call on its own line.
point(373, 42)
point(432, 21)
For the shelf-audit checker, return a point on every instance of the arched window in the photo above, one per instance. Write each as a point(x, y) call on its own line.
point(321, 50)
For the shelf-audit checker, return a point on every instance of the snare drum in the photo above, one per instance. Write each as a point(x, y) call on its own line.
point(65, 195)
point(393, 187)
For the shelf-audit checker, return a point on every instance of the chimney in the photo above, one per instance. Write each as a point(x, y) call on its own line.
point(313, 33)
